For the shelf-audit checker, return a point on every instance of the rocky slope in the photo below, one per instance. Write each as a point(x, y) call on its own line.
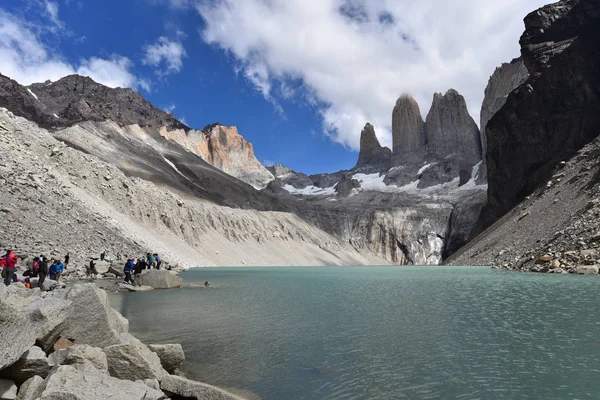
point(58, 199)
point(554, 113)
point(75, 99)
point(539, 158)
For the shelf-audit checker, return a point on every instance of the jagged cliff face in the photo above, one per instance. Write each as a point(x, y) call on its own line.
point(555, 112)
point(408, 131)
point(372, 156)
point(75, 98)
point(224, 148)
point(451, 131)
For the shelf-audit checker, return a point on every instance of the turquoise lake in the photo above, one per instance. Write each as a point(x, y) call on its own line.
point(380, 332)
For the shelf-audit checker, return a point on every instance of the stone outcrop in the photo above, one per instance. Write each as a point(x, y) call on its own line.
point(408, 132)
point(76, 98)
point(159, 279)
point(32, 389)
point(126, 370)
point(224, 148)
point(451, 131)
point(555, 113)
point(504, 80)
point(372, 156)
point(32, 362)
point(133, 360)
point(191, 389)
point(68, 382)
point(171, 355)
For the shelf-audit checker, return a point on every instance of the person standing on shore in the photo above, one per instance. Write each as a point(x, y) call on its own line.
point(42, 272)
point(102, 255)
point(60, 267)
point(67, 261)
point(139, 267)
point(127, 270)
point(158, 261)
point(11, 262)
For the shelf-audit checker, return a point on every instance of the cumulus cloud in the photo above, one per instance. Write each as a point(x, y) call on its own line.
point(355, 57)
point(165, 55)
point(26, 59)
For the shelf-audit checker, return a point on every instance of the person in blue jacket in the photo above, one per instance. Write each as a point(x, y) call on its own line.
point(60, 267)
point(127, 270)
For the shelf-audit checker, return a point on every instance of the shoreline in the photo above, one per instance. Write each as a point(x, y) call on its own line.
point(71, 342)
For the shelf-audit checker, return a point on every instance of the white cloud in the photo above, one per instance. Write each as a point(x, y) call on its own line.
point(52, 12)
point(26, 59)
point(169, 109)
point(166, 53)
point(355, 57)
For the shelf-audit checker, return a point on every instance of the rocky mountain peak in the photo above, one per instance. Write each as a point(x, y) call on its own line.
point(76, 98)
point(451, 130)
point(408, 130)
point(372, 154)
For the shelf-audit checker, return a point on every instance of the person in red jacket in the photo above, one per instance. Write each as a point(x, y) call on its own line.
point(11, 263)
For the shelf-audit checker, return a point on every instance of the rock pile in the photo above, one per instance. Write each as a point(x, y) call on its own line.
point(69, 344)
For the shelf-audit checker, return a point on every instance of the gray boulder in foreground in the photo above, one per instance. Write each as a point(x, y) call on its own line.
point(81, 354)
point(188, 388)
point(92, 321)
point(32, 388)
point(171, 355)
point(32, 362)
point(70, 383)
point(160, 279)
point(8, 390)
point(17, 333)
point(133, 360)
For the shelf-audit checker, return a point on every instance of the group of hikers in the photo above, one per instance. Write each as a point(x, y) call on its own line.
point(39, 269)
point(136, 267)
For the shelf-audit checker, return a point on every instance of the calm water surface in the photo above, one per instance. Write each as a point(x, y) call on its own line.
point(381, 332)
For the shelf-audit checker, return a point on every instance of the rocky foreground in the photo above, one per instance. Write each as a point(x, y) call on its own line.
point(70, 344)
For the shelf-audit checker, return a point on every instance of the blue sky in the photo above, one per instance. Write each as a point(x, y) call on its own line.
point(298, 78)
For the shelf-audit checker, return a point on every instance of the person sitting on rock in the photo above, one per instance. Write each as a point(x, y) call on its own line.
point(127, 270)
point(43, 271)
point(60, 267)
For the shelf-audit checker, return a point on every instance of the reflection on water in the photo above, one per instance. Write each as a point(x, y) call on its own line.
point(381, 332)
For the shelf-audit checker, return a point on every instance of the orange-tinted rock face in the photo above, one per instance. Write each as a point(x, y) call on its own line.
point(226, 149)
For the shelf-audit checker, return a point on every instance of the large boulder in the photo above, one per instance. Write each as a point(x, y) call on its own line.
point(48, 285)
point(17, 333)
point(171, 355)
point(124, 287)
point(32, 389)
point(32, 362)
point(49, 316)
point(159, 279)
point(192, 389)
point(70, 383)
point(8, 390)
point(81, 354)
point(92, 321)
point(133, 360)
point(588, 269)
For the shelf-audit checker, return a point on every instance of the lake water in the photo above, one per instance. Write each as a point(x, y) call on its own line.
point(381, 332)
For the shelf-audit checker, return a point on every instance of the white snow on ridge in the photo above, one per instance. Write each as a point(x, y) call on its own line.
point(425, 168)
point(33, 94)
point(176, 169)
point(310, 190)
